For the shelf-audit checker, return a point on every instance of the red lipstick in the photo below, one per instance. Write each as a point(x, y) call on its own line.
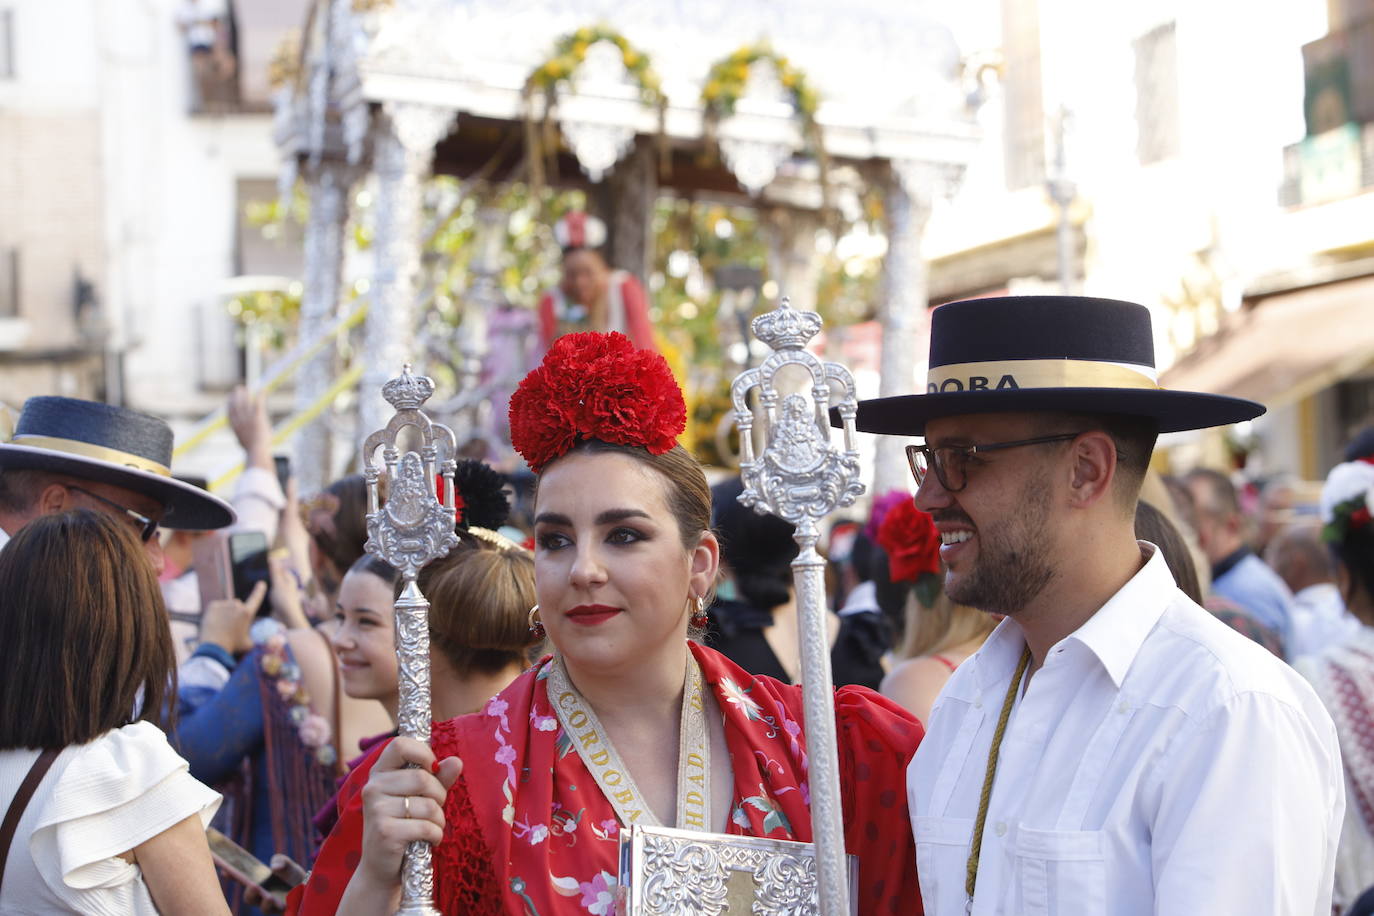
point(591, 614)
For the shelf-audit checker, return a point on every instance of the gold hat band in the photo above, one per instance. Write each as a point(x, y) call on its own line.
point(1011, 374)
point(98, 452)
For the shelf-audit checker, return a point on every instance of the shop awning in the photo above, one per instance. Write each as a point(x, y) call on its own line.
point(1286, 347)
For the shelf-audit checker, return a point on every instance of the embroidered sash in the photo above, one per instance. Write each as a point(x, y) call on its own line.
point(594, 746)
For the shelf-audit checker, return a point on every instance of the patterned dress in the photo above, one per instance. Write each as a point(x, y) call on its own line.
point(529, 833)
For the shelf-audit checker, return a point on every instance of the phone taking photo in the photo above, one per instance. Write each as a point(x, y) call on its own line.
point(245, 868)
point(248, 566)
point(229, 565)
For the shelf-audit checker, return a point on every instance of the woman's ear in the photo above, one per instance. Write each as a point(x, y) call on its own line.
point(705, 560)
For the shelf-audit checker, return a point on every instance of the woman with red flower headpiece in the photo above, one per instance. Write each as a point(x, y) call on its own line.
point(939, 634)
point(628, 721)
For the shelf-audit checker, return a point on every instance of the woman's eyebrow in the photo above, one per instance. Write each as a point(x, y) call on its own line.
point(611, 516)
point(608, 517)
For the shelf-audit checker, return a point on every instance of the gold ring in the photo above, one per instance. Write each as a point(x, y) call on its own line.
point(406, 802)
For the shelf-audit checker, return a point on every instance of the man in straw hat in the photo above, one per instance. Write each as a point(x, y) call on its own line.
point(67, 453)
point(1112, 748)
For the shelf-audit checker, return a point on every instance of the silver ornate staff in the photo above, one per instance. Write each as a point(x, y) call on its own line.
point(414, 527)
point(801, 477)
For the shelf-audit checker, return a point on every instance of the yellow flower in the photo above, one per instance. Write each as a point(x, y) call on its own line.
point(631, 58)
point(740, 56)
point(579, 49)
point(712, 91)
point(583, 35)
point(740, 72)
point(789, 79)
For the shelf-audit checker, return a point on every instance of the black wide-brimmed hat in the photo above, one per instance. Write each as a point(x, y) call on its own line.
point(111, 445)
point(1055, 353)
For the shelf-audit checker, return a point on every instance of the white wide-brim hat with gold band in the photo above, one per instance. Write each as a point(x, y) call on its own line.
point(111, 445)
point(1046, 353)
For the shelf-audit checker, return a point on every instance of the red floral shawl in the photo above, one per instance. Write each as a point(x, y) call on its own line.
point(530, 834)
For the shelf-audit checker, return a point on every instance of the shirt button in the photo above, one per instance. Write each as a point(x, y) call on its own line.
point(977, 702)
point(1123, 707)
point(1000, 828)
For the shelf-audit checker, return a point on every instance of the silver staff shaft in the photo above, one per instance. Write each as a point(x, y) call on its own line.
point(412, 650)
point(827, 818)
point(413, 527)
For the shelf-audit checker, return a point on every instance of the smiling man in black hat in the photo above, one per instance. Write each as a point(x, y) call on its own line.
point(1112, 748)
point(67, 453)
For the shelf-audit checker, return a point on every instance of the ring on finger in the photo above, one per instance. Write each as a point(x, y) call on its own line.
point(406, 804)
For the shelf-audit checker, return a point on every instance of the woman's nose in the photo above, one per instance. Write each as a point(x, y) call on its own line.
point(587, 568)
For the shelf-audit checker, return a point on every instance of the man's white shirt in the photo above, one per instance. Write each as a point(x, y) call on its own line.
point(1158, 763)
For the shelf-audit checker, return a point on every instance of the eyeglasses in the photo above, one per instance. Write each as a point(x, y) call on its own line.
point(951, 461)
point(147, 526)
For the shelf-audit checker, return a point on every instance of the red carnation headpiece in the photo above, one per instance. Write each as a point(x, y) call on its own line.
point(596, 386)
point(911, 542)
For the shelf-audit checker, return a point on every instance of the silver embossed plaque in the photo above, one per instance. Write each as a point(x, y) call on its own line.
point(669, 872)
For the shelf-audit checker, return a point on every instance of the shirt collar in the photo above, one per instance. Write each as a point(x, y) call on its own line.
point(1229, 562)
point(1116, 632)
point(4, 538)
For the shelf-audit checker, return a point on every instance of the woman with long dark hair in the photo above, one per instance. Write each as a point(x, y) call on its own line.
point(112, 821)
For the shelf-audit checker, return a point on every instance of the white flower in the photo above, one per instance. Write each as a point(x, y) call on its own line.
point(1344, 483)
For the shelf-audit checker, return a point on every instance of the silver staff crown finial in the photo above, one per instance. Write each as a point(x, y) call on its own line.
point(407, 391)
point(785, 328)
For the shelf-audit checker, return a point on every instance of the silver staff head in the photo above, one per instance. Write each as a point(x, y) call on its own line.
point(416, 524)
point(800, 476)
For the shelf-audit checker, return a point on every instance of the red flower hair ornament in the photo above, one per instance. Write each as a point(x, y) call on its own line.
point(596, 386)
point(912, 544)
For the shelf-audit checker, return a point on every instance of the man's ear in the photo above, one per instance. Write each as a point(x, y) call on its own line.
point(54, 498)
point(1094, 468)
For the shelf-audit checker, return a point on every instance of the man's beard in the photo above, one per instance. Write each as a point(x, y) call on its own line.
point(1013, 563)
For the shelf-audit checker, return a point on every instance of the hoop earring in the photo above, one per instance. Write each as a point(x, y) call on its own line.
point(699, 620)
point(537, 631)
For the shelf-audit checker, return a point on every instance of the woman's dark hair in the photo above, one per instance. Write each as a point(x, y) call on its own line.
point(1154, 526)
point(480, 596)
point(336, 519)
point(689, 496)
point(375, 566)
point(84, 642)
point(1355, 551)
point(759, 549)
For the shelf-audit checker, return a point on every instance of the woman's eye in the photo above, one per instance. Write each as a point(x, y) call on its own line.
point(552, 540)
point(624, 536)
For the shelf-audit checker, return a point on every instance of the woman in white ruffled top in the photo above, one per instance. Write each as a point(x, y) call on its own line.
point(116, 824)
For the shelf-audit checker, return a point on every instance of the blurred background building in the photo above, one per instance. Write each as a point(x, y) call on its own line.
point(1215, 164)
